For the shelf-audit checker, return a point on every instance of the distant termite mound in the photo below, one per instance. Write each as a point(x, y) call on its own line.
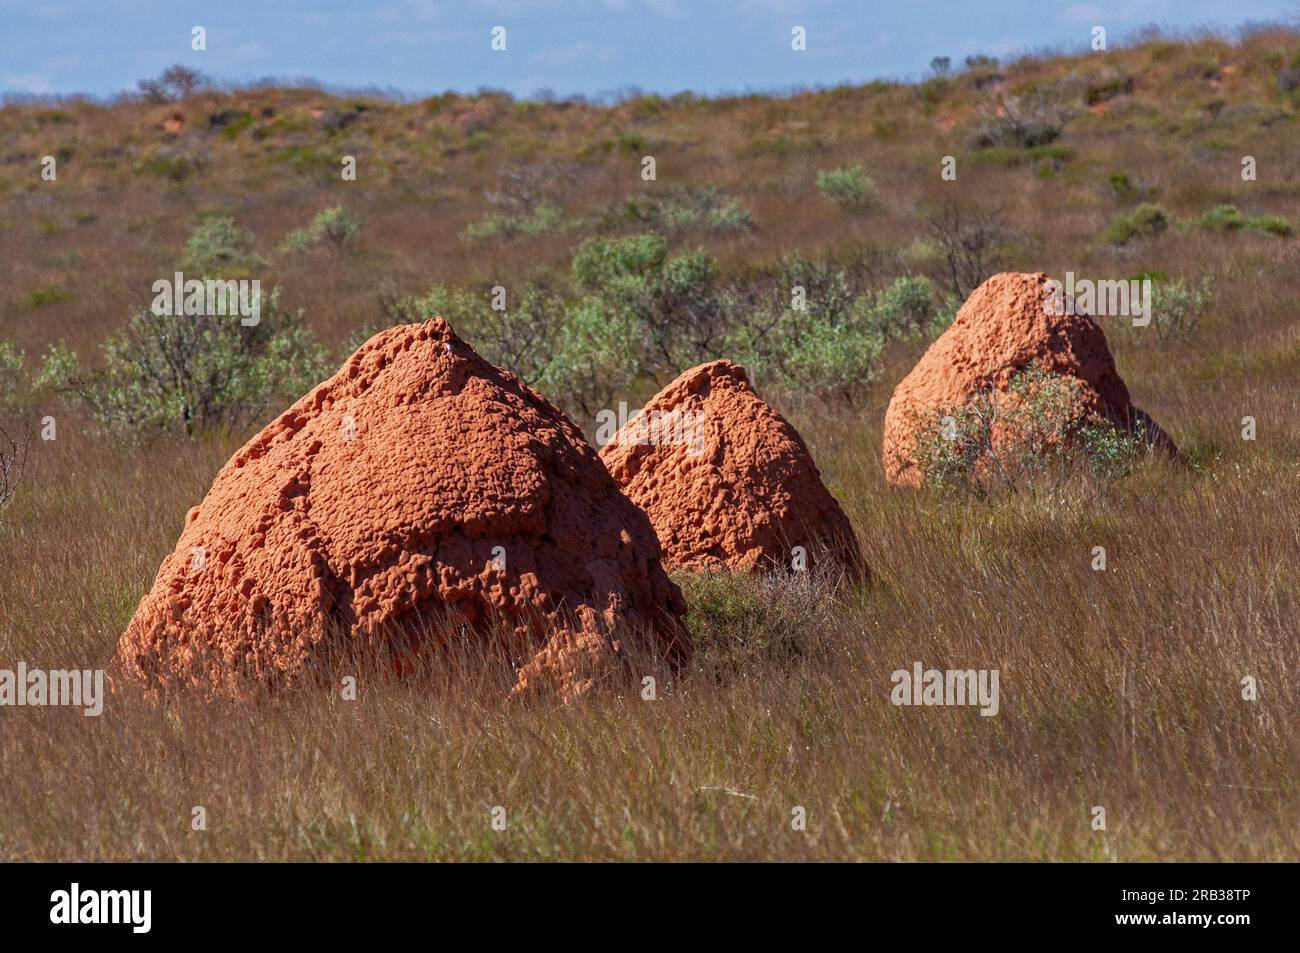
point(1010, 323)
point(726, 480)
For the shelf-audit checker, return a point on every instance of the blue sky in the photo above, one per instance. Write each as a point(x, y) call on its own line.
point(420, 47)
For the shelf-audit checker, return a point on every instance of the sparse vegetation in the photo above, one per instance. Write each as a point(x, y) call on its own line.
point(190, 373)
point(1227, 218)
point(1177, 308)
point(1115, 682)
point(680, 209)
point(334, 228)
point(1033, 436)
point(850, 187)
point(1146, 221)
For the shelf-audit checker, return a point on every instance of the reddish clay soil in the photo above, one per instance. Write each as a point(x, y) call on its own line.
point(726, 480)
point(418, 479)
point(1001, 329)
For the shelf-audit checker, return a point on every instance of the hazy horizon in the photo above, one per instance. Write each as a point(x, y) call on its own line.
point(593, 48)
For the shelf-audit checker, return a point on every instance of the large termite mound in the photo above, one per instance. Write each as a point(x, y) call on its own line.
point(1009, 323)
point(417, 482)
point(726, 480)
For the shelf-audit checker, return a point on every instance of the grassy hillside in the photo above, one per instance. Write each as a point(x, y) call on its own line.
point(1120, 688)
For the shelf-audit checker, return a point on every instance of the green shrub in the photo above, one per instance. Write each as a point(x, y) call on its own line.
point(218, 248)
point(1177, 309)
point(849, 187)
point(743, 620)
point(174, 167)
point(1123, 188)
point(907, 308)
point(334, 226)
point(1270, 225)
point(1227, 218)
point(611, 264)
point(679, 316)
point(190, 373)
point(319, 164)
point(822, 343)
point(590, 365)
point(236, 125)
point(1035, 432)
point(680, 209)
point(1145, 221)
point(542, 219)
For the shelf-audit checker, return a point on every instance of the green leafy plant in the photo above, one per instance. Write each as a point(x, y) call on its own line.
point(812, 336)
point(1177, 308)
point(1145, 221)
point(191, 373)
point(1036, 431)
point(849, 187)
point(334, 227)
point(544, 218)
point(1228, 218)
point(217, 247)
point(908, 308)
point(679, 209)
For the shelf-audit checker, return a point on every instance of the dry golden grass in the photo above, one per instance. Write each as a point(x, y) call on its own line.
point(1119, 688)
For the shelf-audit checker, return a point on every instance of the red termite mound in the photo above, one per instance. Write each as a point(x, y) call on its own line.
point(1005, 326)
point(419, 478)
point(726, 480)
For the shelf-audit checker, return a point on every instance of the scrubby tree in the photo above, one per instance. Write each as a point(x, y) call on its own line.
point(175, 84)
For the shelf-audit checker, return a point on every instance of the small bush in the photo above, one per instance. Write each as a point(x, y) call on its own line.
point(191, 373)
point(219, 248)
point(849, 187)
point(603, 264)
point(1123, 188)
point(1270, 225)
point(334, 227)
point(741, 622)
point(905, 309)
point(542, 219)
point(176, 83)
point(1145, 221)
point(679, 209)
point(1227, 218)
point(177, 168)
point(1036, 118)
point(1035, 432)
point(1177, 308)
point(825, 344)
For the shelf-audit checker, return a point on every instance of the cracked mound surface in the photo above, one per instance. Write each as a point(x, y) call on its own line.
point(1003, 328)
point(384, 494)
point(725, 479)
